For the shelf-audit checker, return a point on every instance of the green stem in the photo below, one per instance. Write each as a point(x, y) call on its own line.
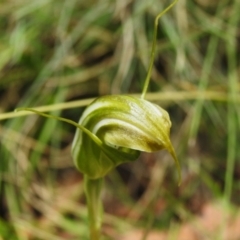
point(89, 133)
point(145, 87)
point(93, 194)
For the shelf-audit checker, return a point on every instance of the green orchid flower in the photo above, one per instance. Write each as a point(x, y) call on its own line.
point(126, 126)
point(114, 130)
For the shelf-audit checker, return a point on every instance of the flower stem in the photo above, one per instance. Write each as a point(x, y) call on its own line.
point(149, 72)
point(92, 189)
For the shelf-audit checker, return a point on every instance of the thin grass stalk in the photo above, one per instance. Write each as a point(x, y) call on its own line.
point(172, 96)
point(204, 79)
point(232, 113)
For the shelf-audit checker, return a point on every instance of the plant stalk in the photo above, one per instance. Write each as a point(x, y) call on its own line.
point(92, 189)
point(149, 72)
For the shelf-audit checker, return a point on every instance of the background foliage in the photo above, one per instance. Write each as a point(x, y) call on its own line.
point(55, 51)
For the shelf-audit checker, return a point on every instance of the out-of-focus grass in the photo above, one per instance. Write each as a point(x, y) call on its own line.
point(54, 52)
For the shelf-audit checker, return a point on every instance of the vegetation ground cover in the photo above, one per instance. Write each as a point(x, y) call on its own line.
point(67, 52)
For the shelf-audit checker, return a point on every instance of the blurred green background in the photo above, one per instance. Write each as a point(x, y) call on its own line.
point(55, 51)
